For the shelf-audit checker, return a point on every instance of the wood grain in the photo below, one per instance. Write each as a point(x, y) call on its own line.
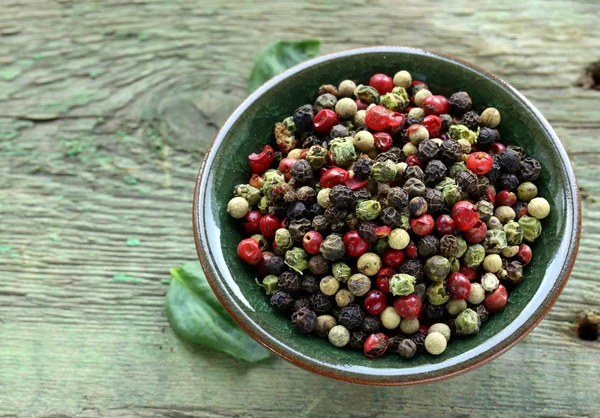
point(105, 110)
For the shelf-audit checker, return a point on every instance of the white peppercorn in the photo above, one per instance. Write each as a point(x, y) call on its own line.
point(369, 264)
point(343, 298)
point(492, 263)
point(456, 306)
point(539, 208)
point(435, 343)
point(359, 284)
point(390, 318)
point(329, 285)
point(490, 282)
point(346, 108)
point(477, 294)
point(323, 198)
point(409, 326)
point(324, 325)
point(238, 207)
point(364, 141)
point(421, 95)
point(359, 118)
point(416, 113)
point(339, 336)
point(402, 79)
point(442, 329)
point(490, 117)
point(398, 239)
point(410, 149)
point(505, 214)
point(346, 88)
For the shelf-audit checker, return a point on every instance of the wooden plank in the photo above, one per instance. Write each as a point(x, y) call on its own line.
point(105, 110)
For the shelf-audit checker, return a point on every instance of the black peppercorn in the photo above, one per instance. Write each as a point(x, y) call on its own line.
point(306, 194)
point(389, 155)
point(482, 312)
point(460, 103)
point(495, 172)
point(382, 190)
point(449, 246)
point(471, 120)
point(428, 150)
point(362, 168)
point(352, 221)
point(486, 137)
point(366, 230)
point(529, 169)
point(467, 181)
point(360, 195)
point(515, 272)
point(428, 245)
point(413, 172)
point(338, 226)
point(351, 316)
point(519, 150)
point(280, 192)
point(408, 348)
point(412, 267)
point(341, 196)
point(420, 290)
point(520, 209)
point(435, 312)
point(304, 320)
point(310, 140)
point(435, 171)
point(299, 228)
point(411, 121)
point(447, 122)
point(397, 197)
point(482, 185)
point(281, 301)
point(321, 303)
point(417, 207)
point(297, 210)
point(303, 118)
point(339, 131)
point(335, 215)
point(302, 171)
point(509, 161)
point(508, 182)
point(394, 343)
point(414, 187)
point(391, 217)
point(310, 283)
point(289, 281)
point(450, 151)
point(274, 265)
point(357, 340)
point(370, 324)
point(278, 210)
point(301, 303)
point(320, 224)
point(419, 340)
point(435, 201)
point(315, 210)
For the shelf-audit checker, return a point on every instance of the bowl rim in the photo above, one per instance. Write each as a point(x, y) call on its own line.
point(516, 330)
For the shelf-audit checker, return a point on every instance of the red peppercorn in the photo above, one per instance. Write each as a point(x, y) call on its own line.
point(333, 177)
point(330, 161)
point(383, 141)
point(465, 215)
point(444, 225)
point(325, 120)
point(414, 160)
point(256, 181)
point(396, 123)
point(361, 104)
point(423, 329)
point(393, 258)
point(497, 148)
point(249, 251)
point(382, 231)
point(377, 118)
point(375, 302)
point(423, 225)
point(411, 250)
point(480, 162)
point(469, 273)
point(417, 82)
point(408, 306)
point(490, 195)
point(520, 211)
point(304, 153)
point(269, 224)
point(354, 183)
point(459, 286)
point(383, 279)
point(444, 136)
point(506, 198)
point(376, 345)
point(496, 300)
point(382, 83)
point(524, 254)
point(262, 161)
point(285, 166)
point(285, 222)
point(433, 124)
point(251, 224)
point(312, 242)
point(355, 245)
point(475, 234)
point(260, 267)
point(436, 105)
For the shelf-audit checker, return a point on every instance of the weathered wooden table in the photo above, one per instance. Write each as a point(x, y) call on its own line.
point(105, 111)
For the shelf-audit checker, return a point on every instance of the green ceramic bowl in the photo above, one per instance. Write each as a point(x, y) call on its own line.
point(251, 126)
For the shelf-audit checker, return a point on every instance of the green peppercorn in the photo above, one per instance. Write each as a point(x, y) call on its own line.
point(402, 284)
point(446, 181)
point(527, 191)
point(392, 101)
point(296, 259)
point(384, 171)
point(251, 194)
point(316, 156)
point(368, 210)
point(324, 324)
point(332, 248)
point(367, 94)
point(495, 241)
point(490, 282)
point(381, 246)
point(343, 151)
point(458, 132)
point(455, 264)
point(325, 101)
point(238, 207)
point(456, 168)
point(270, 285)
point(474, 255)
point(490, 117)
point(271, 177)
point(532, 227)
point(442, 329)
point(359, 284)
point(504, 214)
point(452, 194)
point(485, 209)
point(343, 298)
point(467, 322)
point(538, 208)
point(456, 306)
point(462, 246)
point(437, 294)
point(437, 268)
point(341, 271)
point(263, 244)
point(514, 233)
point(409, 326)
point(493, 223)
point(263, 205)
point(510, 251)
point(329, 285)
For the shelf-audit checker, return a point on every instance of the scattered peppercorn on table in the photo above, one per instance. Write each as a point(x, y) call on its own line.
point(105, 112)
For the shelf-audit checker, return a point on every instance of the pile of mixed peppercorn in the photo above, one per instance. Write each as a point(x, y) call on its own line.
point(390, 218)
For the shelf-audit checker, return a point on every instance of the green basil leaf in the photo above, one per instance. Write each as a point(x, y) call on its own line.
point(279, 57)
point(197, 316)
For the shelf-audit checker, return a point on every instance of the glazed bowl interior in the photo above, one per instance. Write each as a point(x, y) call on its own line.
point(251, 127)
